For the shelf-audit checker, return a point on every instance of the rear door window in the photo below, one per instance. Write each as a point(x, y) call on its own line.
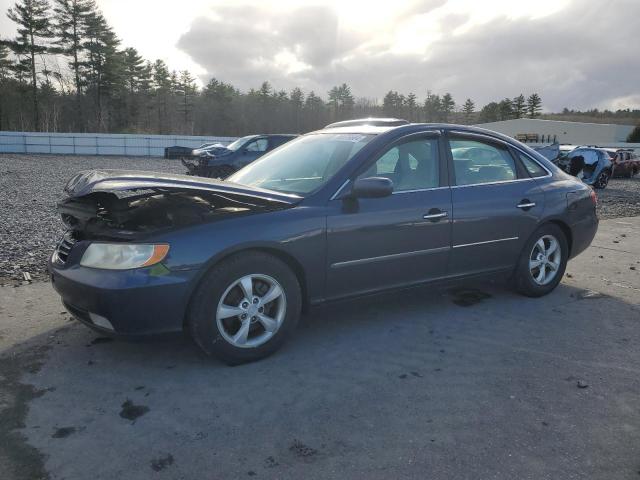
point(478, 162)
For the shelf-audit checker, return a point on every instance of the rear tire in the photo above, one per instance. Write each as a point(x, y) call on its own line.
point(538, 254)
point(245, 308)
point(602, 181)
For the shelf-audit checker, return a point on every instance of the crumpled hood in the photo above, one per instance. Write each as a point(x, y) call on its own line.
point(91, 181)
point(215, 150)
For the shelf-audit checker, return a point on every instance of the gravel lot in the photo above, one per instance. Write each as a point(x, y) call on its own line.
point(30, 185)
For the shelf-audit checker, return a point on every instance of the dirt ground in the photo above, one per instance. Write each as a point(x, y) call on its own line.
point(440, 383)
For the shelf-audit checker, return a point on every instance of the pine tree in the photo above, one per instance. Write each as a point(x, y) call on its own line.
point(468, 109)
point(506, 109)
point(297, 102)
point(447, 106)
point(412, 107)
point(104, 71)
point(519, 106)
point(432, 108)
point(186, 89)
point(341, 101)
point(490, 112)
point(161, 91)
point(34, 29)
point(634, 136)
point(534, 105)
point(393, 104)
point(70, 27)
point(6, 64)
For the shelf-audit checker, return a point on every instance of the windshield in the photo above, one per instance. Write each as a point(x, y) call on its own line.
point(304, 164)
point(236, 144)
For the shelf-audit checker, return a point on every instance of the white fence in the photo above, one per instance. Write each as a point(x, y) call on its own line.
point(99, 143)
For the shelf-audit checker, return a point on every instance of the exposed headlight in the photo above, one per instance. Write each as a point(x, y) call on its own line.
point(122, 256)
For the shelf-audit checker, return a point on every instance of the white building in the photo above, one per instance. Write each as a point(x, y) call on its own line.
point(554, 131)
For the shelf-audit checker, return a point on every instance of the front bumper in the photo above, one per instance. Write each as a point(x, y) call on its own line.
point(134, 302)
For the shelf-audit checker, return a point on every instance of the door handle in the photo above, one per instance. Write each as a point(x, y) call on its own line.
point(526, 204)
point(435, 215)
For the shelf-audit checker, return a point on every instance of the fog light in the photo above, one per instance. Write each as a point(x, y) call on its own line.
point(100, 321)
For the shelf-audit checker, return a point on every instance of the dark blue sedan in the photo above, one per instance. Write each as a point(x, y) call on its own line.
point(219, 161)
point(335, 213)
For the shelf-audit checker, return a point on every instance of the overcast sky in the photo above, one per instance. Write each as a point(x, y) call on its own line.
point(574, 53)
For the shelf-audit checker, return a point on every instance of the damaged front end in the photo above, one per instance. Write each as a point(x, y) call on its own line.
point(128, 204)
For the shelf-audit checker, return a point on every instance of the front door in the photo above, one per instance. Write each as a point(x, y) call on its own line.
point(397, 240)
point(253, 150)
point(496, 204)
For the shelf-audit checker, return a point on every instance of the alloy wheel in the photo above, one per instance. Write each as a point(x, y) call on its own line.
point(545, 259)
point(251, 311)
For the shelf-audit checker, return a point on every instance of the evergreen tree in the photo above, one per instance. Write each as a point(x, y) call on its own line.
point(341, 101)
point(412, 107)
point(490, 113)
point(135, 71)
point(506, 109)
point(433, 108)
point(104, 69)
point(297, 102)
point(34, 30)
point(393, 104)
point(519, 106)
point(70, 27)
point(447, 106)
point(6, 65)
point(534, 105)
point(468, 109)
point(634, 136)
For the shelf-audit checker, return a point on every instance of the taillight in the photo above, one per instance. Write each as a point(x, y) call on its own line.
point(594, 197)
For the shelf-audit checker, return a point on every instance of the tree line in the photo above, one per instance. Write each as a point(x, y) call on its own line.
point(66, 70)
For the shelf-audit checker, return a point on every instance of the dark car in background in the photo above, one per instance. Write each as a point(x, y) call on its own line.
point(335, 213)
point(219, 161)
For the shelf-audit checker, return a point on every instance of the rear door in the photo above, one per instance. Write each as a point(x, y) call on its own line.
point(496, 201)
point(377, 243)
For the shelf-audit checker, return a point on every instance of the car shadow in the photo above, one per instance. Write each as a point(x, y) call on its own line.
point(361, 383)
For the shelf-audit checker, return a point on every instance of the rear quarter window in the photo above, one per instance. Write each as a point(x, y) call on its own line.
point(532, 167)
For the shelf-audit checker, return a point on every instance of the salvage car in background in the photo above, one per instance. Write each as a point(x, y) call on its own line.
point(332, 214)
point(591, 165)
point(218, 161)
point(625, 162)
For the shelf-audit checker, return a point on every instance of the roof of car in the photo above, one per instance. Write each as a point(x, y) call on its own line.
point(373, 121)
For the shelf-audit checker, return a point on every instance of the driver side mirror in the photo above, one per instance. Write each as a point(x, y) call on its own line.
point(372, 187)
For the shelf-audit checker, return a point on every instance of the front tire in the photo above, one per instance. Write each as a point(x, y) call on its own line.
point(542, 262)
point(245, 308)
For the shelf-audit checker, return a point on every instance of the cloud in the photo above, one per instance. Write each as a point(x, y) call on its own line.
point(580, 56)
point(249, 45)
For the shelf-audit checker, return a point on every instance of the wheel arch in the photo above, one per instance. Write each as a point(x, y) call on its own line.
point(285, 257)
point(565, 229)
